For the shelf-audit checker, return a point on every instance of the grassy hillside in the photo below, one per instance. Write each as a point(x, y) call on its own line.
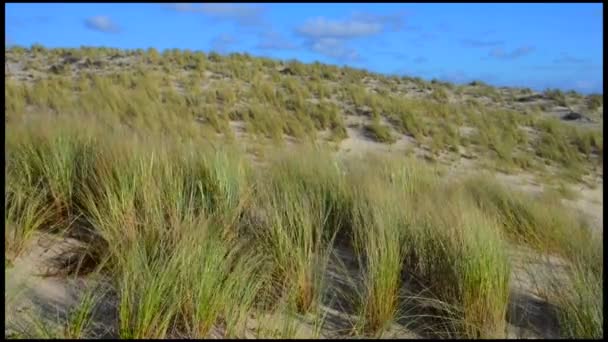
point(140, 157)
point(511, 129)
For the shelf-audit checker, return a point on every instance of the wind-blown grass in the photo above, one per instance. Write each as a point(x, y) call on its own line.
point(25, 213)
point(580, 303)
point(457, 256)
point(379, 230)
point(299, 100)
point(298, 209)
point(454, 254)
point(544, 225)
point(196, 240)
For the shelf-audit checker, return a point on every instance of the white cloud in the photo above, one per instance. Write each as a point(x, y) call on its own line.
point(241, 13)
point(334, 48)
point(101, 23)
point(324, 28)
point(181, 7)
point(394, 21)
point(329, 37)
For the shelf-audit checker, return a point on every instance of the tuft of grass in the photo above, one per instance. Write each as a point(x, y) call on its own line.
point(15, 97)
point(485, 276)
point(148, 293)
point(457, 256)
point(541, 223)
point(378, 228)
point(566, 192)
point(338, 133)
point(296, 216)
point(25, 213)
point(380, 132)
point(80, 320)
point(439, 94)
point(453, 255)
point(595, 101)
point(557, 96)
point(221, 288)
point(580, 310)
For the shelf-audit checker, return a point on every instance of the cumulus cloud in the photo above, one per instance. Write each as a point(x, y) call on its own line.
point(358, 25)
point(101, 23)
point(181, 7)
point(521, 51)
point(334, 48)
point(324, 28)
point(244, 14)
point(240, 13)
point(393, 21)
point(275, 41)
point(330, 37)
point(481, 43)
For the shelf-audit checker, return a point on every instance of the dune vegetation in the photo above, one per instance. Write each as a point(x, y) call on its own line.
point(200, 234)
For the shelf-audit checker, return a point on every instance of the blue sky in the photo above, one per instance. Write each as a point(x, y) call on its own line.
point(530, 45)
